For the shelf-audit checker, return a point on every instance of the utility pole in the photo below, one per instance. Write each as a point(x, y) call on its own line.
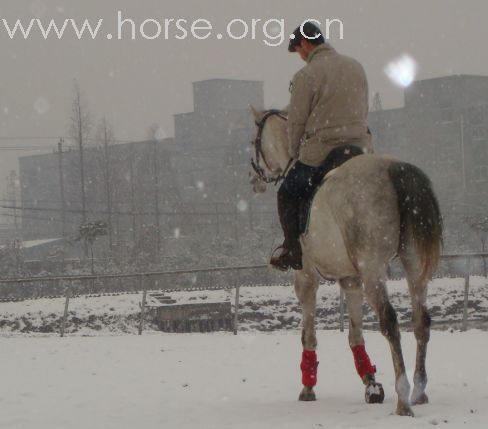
point(82, 169)
point(12, 196)
point(79, 123)
point(107, 185)
point(61, 189)
point(463, 160)
point(132, 198)
point(156, 197)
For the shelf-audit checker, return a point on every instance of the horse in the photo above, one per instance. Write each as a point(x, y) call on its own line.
point(364, 213)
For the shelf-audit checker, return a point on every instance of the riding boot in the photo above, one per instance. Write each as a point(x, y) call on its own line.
point(291, 251)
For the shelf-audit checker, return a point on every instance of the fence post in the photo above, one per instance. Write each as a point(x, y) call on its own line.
point(143, 303)
point(66, 305)
point(236, 311)
point(466, 294)
point(341, 308)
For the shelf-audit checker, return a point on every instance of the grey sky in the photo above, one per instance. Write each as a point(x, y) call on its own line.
point(138, 83)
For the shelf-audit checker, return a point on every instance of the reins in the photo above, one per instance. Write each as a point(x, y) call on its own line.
point(259, 150)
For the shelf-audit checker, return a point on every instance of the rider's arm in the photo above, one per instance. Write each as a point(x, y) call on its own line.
point(299, 110)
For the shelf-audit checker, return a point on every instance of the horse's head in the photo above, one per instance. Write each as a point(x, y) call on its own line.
point(269, 154)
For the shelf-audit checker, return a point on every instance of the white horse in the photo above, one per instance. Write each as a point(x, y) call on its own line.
point(366, 212)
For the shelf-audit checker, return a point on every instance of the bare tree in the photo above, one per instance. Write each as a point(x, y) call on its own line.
point(80, 128)
point(13, 190)
point(155, 135)
point(106, 137)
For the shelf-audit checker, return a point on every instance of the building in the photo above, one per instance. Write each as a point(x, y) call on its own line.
point(443, 129)
point(181, 186)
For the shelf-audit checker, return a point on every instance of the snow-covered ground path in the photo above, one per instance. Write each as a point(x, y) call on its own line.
point(223, 381)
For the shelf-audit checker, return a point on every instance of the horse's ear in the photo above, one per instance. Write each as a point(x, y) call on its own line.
point(257, 114)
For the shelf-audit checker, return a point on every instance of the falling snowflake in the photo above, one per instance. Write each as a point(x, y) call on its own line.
point(200, 185)
point(176, 233)
point(42, 106)
point(402, 71)
point(275, 30)
point(5, 110)
point(242, 205)
point(159, 134)
point(37, 8)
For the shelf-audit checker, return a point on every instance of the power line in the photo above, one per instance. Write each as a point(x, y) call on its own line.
point(131, 213)
point(28, 138)
point(51, 138)
point(51, 219)
point(57, 138)
point(25, 148)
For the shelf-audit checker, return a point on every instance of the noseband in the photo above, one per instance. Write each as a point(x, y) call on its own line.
point(258, 147)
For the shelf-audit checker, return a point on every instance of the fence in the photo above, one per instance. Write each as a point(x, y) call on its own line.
point(236, 279)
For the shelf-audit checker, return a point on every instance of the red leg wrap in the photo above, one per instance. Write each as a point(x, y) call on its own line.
point(309, 368)
point(362, 362)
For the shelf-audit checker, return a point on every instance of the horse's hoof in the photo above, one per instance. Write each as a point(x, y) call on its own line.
point(374, 393)
point(307, 394)
point(419, 398)
point(404, 410)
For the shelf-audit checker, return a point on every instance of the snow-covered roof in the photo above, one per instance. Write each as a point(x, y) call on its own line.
point(33, 243)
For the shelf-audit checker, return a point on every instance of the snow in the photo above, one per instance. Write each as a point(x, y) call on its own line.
point(402, 71)
point(42, 105)
point(33, 243)
point(242, 205)
point(215, 381)
point(261, 308)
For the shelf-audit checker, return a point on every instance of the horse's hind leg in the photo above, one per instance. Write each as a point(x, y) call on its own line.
point(421, 323)
point(353, 290)
point(377, 297)
point(306, 284)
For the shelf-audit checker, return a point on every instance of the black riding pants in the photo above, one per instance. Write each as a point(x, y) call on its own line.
point(300, 184)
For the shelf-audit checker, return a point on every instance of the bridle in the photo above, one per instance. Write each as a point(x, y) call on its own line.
point(258, 147)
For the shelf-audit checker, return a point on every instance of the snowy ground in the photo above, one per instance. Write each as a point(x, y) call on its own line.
point(223, 381)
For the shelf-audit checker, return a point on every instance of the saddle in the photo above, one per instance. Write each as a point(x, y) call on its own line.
point(336, 158)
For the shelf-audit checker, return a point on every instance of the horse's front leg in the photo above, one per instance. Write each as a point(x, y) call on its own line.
point(306, 284)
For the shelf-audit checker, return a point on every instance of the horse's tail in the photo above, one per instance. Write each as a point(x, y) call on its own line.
point(420, 215)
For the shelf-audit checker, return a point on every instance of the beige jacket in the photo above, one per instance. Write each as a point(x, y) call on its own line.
point(328, 106)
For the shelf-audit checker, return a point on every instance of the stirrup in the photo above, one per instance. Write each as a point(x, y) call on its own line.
point(285, 265)
point(273, 255)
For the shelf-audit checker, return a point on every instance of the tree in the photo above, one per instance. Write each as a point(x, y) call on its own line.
point(106, 138)
point(88, 232)
point(80, 127)
point(156, 135)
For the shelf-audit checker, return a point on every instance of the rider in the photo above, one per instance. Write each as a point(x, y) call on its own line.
point(326, 126)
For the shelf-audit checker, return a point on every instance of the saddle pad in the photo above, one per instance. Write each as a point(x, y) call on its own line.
point(335, 159)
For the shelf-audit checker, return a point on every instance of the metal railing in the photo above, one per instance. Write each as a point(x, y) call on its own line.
point(142, 278)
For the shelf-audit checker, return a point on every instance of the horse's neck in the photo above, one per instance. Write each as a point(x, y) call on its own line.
point(278, 143)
